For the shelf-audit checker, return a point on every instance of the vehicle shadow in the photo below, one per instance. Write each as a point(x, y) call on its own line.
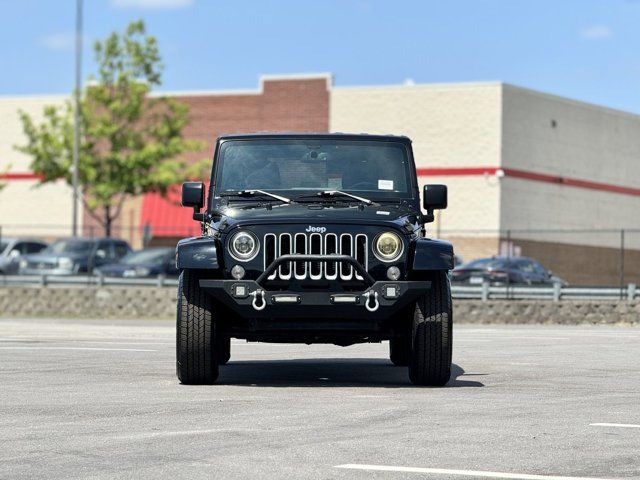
point(327, 372)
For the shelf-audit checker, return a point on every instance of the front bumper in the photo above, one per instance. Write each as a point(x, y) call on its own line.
point(250, 300)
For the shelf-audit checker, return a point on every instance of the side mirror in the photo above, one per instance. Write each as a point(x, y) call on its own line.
point(434, 197)
point(193, 196)
point(101, 253)
point(14, 253)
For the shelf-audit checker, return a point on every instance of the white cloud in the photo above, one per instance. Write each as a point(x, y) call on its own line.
point(596, 31)
point(59, 41)
point(151, 4)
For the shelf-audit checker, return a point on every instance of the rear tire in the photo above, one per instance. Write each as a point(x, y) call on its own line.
point(196, 359)
point(223, 349)
point(432, 336)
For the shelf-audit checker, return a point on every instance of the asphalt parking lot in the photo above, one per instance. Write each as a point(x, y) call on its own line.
point(101, 400)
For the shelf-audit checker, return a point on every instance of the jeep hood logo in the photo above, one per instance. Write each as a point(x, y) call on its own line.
point(316, 229)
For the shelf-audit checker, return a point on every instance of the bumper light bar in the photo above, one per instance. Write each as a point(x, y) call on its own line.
point(285, 299)
point(345, 299)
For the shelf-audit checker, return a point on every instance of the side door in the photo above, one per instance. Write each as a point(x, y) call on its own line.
point(525, 267)
point(543, 274)
point(103, 253)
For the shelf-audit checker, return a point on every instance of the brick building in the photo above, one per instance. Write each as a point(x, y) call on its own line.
point(522, 167)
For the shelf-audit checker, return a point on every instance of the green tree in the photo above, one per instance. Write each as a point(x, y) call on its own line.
point(131, 143)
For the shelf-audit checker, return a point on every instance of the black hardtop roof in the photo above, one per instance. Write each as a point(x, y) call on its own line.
point(338, 135)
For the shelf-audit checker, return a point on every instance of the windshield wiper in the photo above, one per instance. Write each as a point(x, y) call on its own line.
point(252, 193)
point(333, 193)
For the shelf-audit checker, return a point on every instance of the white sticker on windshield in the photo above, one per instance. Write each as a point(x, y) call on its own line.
point(334, 183)
point(385, 184)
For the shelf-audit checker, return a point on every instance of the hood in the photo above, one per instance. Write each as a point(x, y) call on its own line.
point(118, 269)
point(53, 257)
point(396, 215)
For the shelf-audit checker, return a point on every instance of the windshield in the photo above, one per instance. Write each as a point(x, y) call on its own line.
point(302, 166)
point(70, 246)
point(145, 257)
point(3, 246)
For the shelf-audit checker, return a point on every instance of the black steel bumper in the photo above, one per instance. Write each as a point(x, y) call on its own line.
point(249, 299)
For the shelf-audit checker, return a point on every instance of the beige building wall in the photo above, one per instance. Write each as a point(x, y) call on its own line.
point(564, 138)
point(25, 208)
point(451, 126)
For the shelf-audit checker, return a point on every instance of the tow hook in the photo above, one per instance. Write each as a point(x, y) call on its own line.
point(367, 298)
point(258, 294)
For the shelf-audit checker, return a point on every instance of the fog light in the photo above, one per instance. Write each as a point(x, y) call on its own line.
point(391, 291)
point(239, 291)
point(237, 272)
point(393, 273)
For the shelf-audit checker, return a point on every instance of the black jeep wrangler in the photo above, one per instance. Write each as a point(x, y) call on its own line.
point(314, 238)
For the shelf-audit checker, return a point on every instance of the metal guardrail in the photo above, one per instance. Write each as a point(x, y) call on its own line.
point(554, 292)
point(85, 280)
point(483, 292)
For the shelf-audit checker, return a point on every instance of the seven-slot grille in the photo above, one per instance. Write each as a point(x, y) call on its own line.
point(355, 246)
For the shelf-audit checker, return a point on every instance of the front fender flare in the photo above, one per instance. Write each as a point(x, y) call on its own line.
point(432, 254)
point(198, 253)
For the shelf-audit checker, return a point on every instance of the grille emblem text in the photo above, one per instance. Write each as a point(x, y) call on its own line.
point(316, 229)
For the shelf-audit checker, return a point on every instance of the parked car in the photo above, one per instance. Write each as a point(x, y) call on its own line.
point(149, 262)
point(73, 256)
point(12, 249)
point(501, 270)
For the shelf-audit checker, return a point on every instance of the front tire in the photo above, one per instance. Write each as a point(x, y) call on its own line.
point(432, 336)
point(196, 359)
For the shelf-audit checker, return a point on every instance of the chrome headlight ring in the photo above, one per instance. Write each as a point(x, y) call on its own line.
point(243, 246)
point(388, 247)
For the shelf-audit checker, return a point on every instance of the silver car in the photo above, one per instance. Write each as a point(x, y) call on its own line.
point(12, 249)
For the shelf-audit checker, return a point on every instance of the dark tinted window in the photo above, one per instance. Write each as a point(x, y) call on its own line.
point(106, 245)
point(20, 246)
point(524, 266)
point(149, 256)
point(71, 246)
point(34, 247)
point(122, 249)
point(484, 263)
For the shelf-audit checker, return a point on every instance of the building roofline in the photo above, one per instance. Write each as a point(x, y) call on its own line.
point(327, 77)
point(572, 101)
point(435, 86)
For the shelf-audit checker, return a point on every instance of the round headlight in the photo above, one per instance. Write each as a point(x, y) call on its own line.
point(387, 247)
point(243, 246)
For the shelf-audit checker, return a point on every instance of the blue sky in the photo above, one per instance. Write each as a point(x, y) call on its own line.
point(584, 49)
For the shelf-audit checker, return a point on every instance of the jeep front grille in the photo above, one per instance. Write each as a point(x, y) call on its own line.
point(355, 246)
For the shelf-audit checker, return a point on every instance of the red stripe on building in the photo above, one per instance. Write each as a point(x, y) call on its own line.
point(533, 176)
point(20, 176)
point(571, 182)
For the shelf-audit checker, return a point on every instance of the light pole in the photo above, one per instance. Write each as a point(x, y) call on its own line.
point(76, 118)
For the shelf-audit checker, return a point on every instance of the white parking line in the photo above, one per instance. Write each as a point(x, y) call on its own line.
point(80, 348)
point(619, 425)
point(468, 473)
